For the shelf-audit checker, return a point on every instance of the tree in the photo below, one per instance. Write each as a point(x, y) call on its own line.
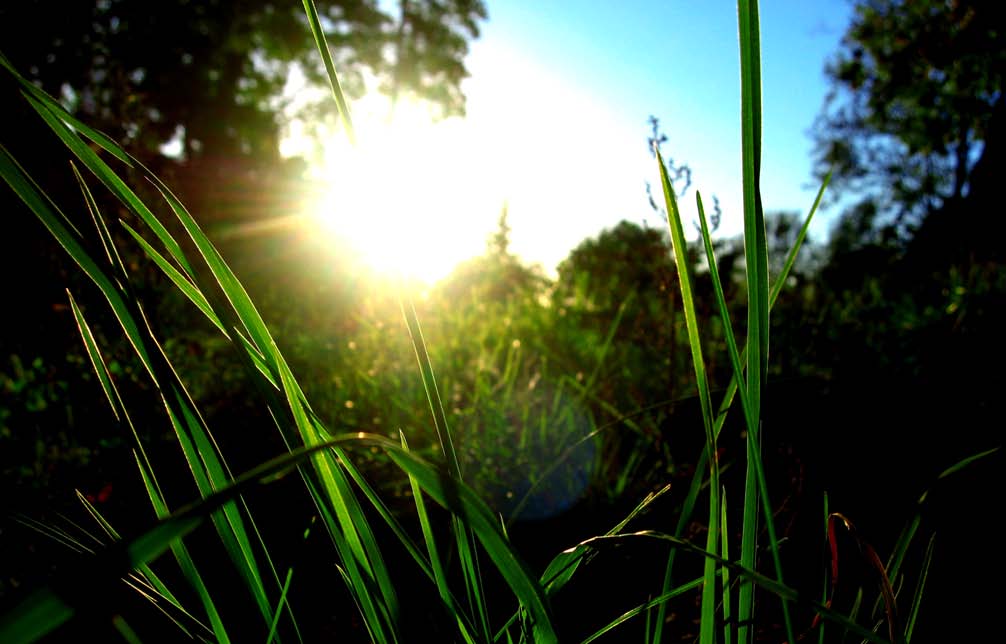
point(916, 89)
point(430, 44)
point(211, 73)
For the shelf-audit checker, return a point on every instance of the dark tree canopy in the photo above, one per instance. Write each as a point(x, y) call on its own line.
point(212, 71)
point(915, 88)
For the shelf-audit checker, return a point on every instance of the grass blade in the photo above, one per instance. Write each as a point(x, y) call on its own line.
point(920, 588)
point(707, 633)
point(656, 601)
point(463, 539)
point(781, 590)
point(437, 568)
point(326, 56)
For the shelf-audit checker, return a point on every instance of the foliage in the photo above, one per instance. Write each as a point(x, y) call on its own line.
point(915, 90)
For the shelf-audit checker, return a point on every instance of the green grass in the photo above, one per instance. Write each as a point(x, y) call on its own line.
point(475, 574)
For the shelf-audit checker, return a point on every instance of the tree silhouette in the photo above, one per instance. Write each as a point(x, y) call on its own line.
point(916, 87)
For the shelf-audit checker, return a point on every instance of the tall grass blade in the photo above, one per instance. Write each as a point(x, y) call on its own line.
point(756, 262)
point(750, 420)
point(707, 627)
point(361, 557)
point(464, 541)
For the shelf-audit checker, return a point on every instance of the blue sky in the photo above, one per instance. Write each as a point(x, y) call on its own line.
point(558, 102)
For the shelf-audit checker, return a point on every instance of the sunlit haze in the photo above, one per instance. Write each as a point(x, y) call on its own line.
point(556, 128)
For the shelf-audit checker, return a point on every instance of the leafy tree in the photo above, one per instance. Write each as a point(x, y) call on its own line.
point(430, 43)
point(622, 284)
point(212, 72)
point(916, 88)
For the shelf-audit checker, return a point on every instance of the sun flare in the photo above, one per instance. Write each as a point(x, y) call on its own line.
point(409, 197)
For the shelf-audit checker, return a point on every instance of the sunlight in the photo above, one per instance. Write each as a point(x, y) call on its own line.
point(414, 198)
point(411, 197)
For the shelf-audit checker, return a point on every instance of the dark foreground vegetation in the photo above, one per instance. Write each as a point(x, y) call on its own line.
point(136, 378)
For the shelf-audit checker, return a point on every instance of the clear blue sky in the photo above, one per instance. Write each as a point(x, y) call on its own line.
point(679, 61)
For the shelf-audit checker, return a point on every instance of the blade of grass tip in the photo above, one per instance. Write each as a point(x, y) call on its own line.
point(145, 570)
point(111, 391)
point(911, 528)
point(707, 626)
point(144, 580)
point(111, 253)
point(326, 56)
point(853, 612)
point(687, 506)
point(125, 630)
point(560, 570)
point(97, 362)
point(437, 568)
point(38, 201)
point(964, 462)
point(109, 178)
point(100, 139)
point(51, 217)
point(430, 386)
point(920, 588)
point(53, 532)
point(780, 281)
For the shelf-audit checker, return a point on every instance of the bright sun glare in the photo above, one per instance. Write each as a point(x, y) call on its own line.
point(410, 197)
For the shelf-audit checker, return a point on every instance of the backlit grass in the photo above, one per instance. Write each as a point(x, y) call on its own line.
point(477, 584)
